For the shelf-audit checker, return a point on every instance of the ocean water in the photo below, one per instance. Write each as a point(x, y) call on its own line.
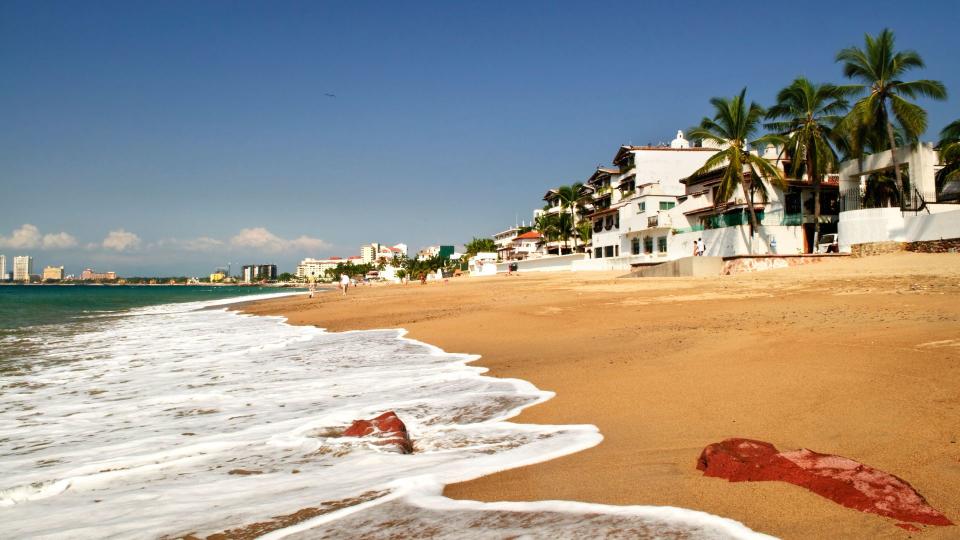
point(182, 418)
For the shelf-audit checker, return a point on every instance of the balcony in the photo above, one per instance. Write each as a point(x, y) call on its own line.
point(658, 220)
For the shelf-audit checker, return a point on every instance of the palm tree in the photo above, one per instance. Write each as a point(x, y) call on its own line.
point(804, 117)
point(732, 126)
point(569, 199)
point(548, 225)
point(476, 245)
point(949, 148)
point(879, 68)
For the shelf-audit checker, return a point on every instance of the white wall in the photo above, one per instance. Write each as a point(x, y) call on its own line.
point(668, 166)
point(544, 264)
point(891, 225)
point(730, 241)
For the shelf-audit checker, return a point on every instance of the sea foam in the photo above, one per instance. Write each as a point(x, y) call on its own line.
point(190, 419)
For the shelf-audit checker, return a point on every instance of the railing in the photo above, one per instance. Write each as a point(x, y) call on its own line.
point(851, 199)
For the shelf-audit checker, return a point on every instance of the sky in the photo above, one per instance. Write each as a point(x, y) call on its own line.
point(160, 138)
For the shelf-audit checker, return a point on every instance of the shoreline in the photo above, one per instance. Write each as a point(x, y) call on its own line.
point(812, 358)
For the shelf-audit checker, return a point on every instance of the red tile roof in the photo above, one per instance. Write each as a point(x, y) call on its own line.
point(528, 235)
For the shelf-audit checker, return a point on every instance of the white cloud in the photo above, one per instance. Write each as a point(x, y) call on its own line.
point(28, 237)
point(262, 239)
point(60, 240)
point(121, 240)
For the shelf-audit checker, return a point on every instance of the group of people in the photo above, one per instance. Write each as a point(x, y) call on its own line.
point(343, 284)
point(699, 247)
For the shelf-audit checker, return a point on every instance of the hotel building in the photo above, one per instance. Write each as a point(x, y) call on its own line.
point(54, 273)
point(89, 275)
point(22, 268)
point(3, 267)
point(313, 269)
point(259, 272)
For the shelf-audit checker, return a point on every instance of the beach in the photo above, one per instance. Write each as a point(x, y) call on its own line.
point(858, 357)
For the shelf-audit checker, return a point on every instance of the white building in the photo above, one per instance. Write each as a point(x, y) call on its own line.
point(22, 268)
point(503, 240)
point(368, 252)
point(3, 267)
point(313, 269)
point(483, 263)
point(654, 221)
point(528, 245)
point(645, 183)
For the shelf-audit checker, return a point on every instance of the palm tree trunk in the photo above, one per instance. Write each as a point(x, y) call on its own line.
point(893, 155)
point(753, 215)
point(815, 178)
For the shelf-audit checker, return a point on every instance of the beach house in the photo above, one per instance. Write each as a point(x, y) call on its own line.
point(632, 201)
point(528, 245)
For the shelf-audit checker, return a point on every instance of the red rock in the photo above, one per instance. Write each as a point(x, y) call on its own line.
point(387, 429)
point(837, 478)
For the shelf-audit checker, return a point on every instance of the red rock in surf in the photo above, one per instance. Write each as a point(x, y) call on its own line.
point(387, 429)
point(837, 478)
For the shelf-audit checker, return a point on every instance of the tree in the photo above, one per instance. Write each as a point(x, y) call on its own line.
point(476, 245)
point(286, 276)
point(949, 148)
point(879, 68)
point(548, 225)
point(569, 200)
point(732, 126)
point(584, 231)
point(804, 118)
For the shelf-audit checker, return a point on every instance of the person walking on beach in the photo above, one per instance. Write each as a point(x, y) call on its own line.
point(313, 288)
point(344, 283)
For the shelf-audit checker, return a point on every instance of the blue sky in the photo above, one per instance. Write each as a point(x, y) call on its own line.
point(173, 137)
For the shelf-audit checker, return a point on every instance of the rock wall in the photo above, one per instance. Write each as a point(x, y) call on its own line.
point(739, 265)
point(951, 245)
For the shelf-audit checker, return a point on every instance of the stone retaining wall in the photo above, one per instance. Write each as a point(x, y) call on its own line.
point(951, 245)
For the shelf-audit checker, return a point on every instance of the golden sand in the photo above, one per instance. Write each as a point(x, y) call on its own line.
point(855, 357)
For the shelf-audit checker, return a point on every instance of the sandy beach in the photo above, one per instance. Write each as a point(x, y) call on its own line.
point(854, 357)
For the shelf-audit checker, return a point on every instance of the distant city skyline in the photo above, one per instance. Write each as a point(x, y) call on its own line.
point(174, 138)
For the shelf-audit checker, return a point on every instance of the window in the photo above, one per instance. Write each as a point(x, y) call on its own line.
point(635, 246)
point(608, 222)
point(641, 207)
point(598, 253)
point(648, 245)
point(598, 225)
point(666, 205)
point(608, 251)
point(616, 220)
point(662, 244)
point(616, 251)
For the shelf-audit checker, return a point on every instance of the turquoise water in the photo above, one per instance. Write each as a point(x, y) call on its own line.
point(23, 306)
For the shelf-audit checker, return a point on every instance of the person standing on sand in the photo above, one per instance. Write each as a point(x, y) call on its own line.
point(701, 247)
point(344, 283)
point(313, 288)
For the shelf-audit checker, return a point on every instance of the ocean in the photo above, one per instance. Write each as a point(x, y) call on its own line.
point(156, 412)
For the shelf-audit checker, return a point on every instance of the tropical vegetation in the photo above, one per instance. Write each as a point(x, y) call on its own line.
point(803, 121)
point(733, 128)
point(879, 69)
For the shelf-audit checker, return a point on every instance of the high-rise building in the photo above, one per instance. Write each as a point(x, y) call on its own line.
point(22, 268)
point(368, 252)
point(3, 267)
point(53, 272)
point(259, 272)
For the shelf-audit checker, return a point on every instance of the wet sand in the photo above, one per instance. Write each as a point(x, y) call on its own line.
point(855, 357)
